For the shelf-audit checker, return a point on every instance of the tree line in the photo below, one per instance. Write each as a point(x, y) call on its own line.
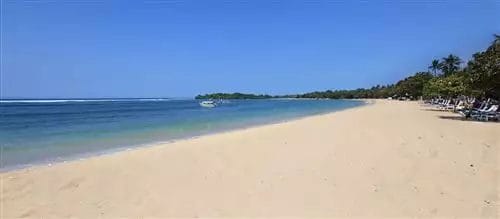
point(233, 96)
point(480, 77)
point(446, 77)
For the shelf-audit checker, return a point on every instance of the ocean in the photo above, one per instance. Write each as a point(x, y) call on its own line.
point(44, 131)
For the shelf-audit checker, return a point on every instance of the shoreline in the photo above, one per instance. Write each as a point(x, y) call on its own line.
point(113, 151)
point(387, 159)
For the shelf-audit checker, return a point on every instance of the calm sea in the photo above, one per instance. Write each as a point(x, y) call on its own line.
point(43, 131)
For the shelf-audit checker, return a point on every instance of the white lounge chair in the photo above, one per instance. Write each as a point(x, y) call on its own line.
point(485, 115)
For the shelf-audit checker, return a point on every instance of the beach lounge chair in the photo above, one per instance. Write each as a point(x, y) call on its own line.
point(447, 104)
point(477, 107)
point(490, 113)
point(442, 103)
point(460, 106)
point(452, 106)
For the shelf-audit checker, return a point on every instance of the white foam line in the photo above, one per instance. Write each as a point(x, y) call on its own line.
point(79, 100)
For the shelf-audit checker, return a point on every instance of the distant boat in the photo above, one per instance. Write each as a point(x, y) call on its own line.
point(208, 104)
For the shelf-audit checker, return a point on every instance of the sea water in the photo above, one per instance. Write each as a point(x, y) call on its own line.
point(44, 131)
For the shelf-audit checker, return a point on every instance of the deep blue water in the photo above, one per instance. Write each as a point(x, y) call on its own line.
point(33, 132)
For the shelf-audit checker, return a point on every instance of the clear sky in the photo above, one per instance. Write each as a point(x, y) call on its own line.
point(180, 48)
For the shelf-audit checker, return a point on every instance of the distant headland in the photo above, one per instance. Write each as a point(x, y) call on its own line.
point(233, 96)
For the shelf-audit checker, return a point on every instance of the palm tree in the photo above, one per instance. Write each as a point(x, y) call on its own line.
point(435, 66)
point(450, 64)
point(495, 45)
point(496, 41)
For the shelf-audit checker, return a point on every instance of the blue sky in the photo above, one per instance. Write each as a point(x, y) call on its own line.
point(180, 48)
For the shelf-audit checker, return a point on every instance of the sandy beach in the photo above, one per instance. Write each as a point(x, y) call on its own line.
point(385, 159)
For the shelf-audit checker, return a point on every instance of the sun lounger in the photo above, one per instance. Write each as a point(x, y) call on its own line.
point(490, 113)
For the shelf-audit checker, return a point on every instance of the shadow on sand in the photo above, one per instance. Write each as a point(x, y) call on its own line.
point(461, 118)
point(434, 110)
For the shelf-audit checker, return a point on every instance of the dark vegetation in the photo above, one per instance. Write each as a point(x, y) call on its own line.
point(232, 96)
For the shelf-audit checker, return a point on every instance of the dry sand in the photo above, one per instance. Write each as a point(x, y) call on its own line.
point(388, 159)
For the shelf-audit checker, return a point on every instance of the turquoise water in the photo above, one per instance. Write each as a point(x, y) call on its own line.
point(42, 131)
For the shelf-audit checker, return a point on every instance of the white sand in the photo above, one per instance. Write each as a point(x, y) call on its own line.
point(388, 159)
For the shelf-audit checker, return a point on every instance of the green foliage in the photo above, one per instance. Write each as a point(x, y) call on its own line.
point(450, 65)
point(374, 92)
point(232, 96)
point(451, 86)
point(433, 88)
point(435, 67)
point(484, 70)
point(409, 87)
point(412, 86)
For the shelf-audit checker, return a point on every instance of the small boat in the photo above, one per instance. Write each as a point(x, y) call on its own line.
point(208, 104)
